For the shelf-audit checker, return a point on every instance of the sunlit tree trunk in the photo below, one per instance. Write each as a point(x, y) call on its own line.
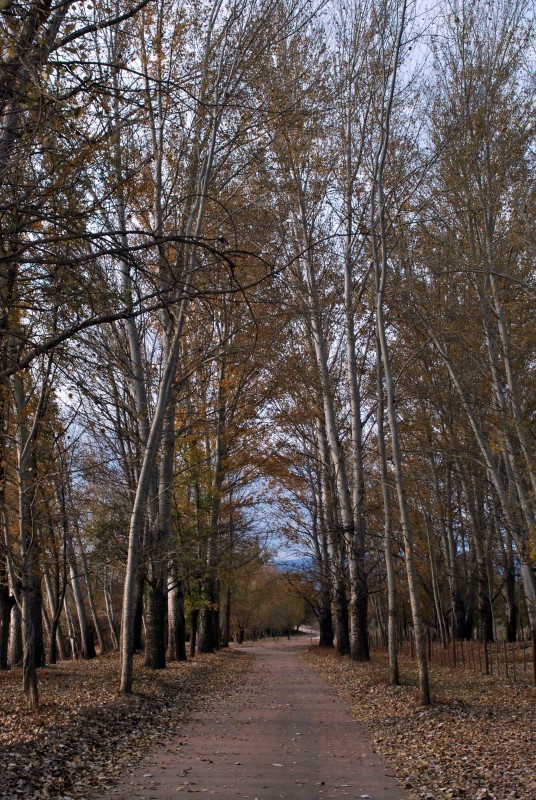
point(87, 644)
point(354, 99)
point(381, 265)
point(108, 581)
point(55, 602)
point(388, 544)
point(15, 636)
point(209, 617)
point(147, 475)
point(335, 451)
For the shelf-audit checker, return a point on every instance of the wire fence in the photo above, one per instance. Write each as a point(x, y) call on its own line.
point(514, 662)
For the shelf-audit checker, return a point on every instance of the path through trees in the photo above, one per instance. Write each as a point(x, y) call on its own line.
point(266, 278)
point(283, 734)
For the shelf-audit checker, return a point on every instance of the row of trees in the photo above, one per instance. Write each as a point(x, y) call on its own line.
point(131, 250)
point(415, 319)
point(264, 260)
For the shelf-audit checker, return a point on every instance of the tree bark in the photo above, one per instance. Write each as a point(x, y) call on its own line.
point(359, 646)
point(87, 643)
point(381, 265)
point(226, 629)
point(110, 613)
point(155, 621)
point(6, 604)
point(177, 625)
point(194, 620)
point(138, 512)
point(90, 595)
point(75, 647)
point(388, 544)
point(55, 602)
point(31, 606)
point(335, 545)
point(319, 537)
point(15, 636)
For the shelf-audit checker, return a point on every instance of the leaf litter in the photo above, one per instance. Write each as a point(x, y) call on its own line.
point(476, 742)
point(84, 737)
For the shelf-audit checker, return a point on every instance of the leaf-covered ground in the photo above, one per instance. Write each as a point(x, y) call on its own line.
point(83, 736)
point(477, 741)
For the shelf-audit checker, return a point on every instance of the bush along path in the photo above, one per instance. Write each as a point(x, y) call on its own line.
point(477, 741)
point(83, 737)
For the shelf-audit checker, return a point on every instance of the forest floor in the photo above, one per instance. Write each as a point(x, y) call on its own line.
point(84, 737)
point(477, 740)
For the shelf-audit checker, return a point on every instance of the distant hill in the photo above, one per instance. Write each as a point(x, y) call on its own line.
point(293, 563)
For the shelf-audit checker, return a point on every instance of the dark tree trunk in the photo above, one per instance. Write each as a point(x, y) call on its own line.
point(469, 617)
point(138, 618)
point(459, 616)
point(341, 619)
point(209, 634)
point(176, 621)
point(32, 607)
point(90, 643)
point(57, 650)
point(194, 620)
point(362, 651)
point(156, 623)
point(6, 604)
point(327, 635)
point(511, 607)
point(209, 626)
point(55, 601)
point(53, 642)
point(511, 603)
point(36, 601)
point(511, 622)
point(486, 619)
point(226, 632)
point(29, 658)
point(485, 611)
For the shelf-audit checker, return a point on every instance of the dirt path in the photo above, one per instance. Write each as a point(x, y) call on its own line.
point(285, 734)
